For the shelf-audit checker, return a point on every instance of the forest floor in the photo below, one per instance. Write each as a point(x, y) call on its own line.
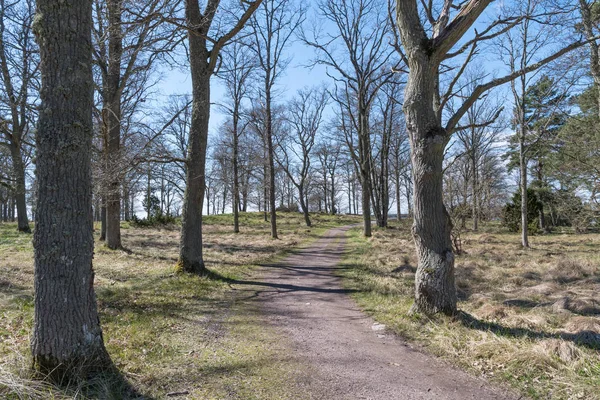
point(167, 333)
point(275, 320)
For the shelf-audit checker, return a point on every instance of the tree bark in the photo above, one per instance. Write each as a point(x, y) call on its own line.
point(236, 177)
point(112, 118)
point(475, 188)
point(435, 290)
point(103, 220)
point(19, 193)
point(67, 338)
point(398, 205)
point(365, 171)
point(332, 194)
point(190, 251)
point(523, 187)
point(304, 205)
point(271, 156)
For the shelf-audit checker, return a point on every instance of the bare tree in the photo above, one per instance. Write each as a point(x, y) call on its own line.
point(238, 66)
point(18, 75)
point(329, 154)
point(400, 163)
point(479, 131)
point(129, 39)
point(67, 338)
point(204, 52)
point(386, 117)
point(304, 116)
point(427, 43)
point(360, 60)
point(273, 27)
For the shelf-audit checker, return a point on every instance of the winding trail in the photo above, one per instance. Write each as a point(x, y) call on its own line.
point(346, 357)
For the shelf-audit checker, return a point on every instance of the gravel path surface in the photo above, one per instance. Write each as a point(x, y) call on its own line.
point(348, 355)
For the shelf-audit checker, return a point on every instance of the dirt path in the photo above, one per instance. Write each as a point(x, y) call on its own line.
point(347, 357)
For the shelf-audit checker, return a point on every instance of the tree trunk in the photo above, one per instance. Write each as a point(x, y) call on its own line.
point(19, 193)
point(365, 170)
point(149, 194)
point(271, 157)
point(245, 192)
point(332, 193)
point(265, 192)
point(236, 179)
point(112, 120)
point(325, 191)
point(523, 187)
point(126, 200)
point(475, 192)
point(435, 291)
point(67, 338)
point(398, 207)
point(103, 221)
point(190, 251)
point(303, 205)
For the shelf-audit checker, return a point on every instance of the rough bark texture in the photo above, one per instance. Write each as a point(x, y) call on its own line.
point(587, 22)
point(434, 281)
point(435, 290)
point(102, 221)
point(304, 205)
point(67, 338)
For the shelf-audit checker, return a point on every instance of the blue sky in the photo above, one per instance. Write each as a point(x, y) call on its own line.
point(296, 76)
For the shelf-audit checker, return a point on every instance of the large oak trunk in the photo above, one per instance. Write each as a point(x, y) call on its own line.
point(435, 291)
point(67, 338)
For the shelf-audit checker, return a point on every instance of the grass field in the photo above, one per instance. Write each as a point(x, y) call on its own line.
point(165, 332)
point(528, 317)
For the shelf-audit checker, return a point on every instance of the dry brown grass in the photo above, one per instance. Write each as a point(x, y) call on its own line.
point(529, 317)
point(165, 332)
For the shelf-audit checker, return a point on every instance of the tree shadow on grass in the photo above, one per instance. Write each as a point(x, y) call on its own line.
point(110, 383)
point(589, 339)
